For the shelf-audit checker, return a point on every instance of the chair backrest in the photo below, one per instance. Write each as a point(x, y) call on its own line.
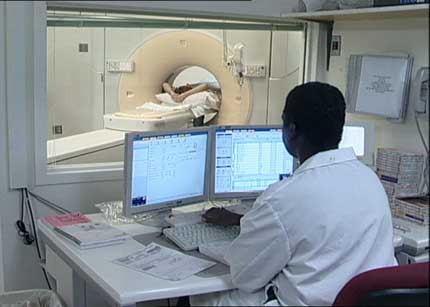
point(406, 285)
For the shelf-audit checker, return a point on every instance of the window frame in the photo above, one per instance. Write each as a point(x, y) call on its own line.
point(45, 174)
point(76, 173)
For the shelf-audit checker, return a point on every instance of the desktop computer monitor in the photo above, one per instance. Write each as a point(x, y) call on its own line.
point(165, 169)
point(361, 137)
point(247, 159)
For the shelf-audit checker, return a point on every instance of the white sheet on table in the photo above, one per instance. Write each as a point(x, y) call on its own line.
point(164, 263)
point(199, 104)
point(163, 108)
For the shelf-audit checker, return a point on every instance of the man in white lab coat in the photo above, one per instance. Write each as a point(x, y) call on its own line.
point(308, 235)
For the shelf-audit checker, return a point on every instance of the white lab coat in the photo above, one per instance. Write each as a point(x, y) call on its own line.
point(308, 235)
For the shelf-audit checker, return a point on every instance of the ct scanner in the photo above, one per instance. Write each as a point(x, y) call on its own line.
point(154, 62)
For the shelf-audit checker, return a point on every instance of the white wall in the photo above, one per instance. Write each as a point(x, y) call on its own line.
point(3, 161)
point(19, 265)
point(75, 88)
point(286, 71)
point(382, 36)
point(1, 264)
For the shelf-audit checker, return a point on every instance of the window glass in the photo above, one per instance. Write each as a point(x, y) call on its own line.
point(92, 66)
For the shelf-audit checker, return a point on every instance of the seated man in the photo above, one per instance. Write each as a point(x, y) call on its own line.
point(308, 235)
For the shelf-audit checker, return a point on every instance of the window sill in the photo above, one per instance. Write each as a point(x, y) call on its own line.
point(78, 173)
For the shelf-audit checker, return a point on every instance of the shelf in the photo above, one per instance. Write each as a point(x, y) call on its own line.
point(400, 11)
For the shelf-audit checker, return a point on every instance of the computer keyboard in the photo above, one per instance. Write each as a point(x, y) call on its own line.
point(189, 237)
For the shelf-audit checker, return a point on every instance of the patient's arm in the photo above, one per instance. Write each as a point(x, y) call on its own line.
point(168, 88)
point(197, 89)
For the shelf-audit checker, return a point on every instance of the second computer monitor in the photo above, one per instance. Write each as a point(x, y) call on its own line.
point(247, 159)
point(361, 137)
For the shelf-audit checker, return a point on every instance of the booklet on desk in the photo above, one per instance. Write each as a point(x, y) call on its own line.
point(92, 235)
point(65, 219)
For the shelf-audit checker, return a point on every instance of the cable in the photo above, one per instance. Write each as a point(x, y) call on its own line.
point(22, 205)
point(225, 46)
point(25, 235)
point(426, 162)
point(421, 134)
point(49, 203)
point(27, 238)
point(33, 225)
point(30, 210)
point(286, 75)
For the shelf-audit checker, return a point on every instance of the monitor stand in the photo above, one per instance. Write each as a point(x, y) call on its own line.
point(167, 218)
point(156, 219)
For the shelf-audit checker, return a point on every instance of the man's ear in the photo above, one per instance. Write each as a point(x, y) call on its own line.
point(292, 131)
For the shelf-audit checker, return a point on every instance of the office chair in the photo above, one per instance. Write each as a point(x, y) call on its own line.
point(406, 285)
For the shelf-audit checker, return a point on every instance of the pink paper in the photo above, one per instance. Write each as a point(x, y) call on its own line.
point(66, 219)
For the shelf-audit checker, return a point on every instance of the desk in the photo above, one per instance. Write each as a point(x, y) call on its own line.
point(74, 269)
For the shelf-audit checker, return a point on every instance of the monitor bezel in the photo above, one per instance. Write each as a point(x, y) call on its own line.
point(236, 195)
point(128, 210)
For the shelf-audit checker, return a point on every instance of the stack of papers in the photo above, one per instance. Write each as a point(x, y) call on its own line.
point(400, 172)
point(164, 263)
point(65, 219)
point(413, 209)
point(379, 85)
point(92, 235)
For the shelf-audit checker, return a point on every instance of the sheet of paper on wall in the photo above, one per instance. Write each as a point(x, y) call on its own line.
point(379, 85)
point(164, 263)
point(380, 90)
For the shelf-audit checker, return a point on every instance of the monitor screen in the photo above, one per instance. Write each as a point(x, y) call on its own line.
point(249, 159)
point(166, 169)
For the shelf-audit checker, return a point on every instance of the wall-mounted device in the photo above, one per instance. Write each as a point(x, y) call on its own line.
point(119, 66)
point(235, 61)
point(255, 71)
point(420, 91)
point(420, 100)
point(379, 85)
point(336, 45)
point(235, 64)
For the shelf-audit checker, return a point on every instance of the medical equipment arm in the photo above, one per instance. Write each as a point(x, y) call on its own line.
point(261, 250)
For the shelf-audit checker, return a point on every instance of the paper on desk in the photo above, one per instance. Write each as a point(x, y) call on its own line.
point(164, 263)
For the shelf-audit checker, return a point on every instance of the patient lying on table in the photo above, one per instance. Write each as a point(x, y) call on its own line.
point(200, 99)
point(180, 93)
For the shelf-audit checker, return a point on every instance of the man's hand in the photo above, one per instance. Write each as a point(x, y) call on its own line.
point(221, 216)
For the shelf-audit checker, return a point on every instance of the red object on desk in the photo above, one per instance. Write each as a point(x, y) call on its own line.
point(66, 219)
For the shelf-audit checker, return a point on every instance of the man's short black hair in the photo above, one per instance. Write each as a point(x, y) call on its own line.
point(318, 111)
